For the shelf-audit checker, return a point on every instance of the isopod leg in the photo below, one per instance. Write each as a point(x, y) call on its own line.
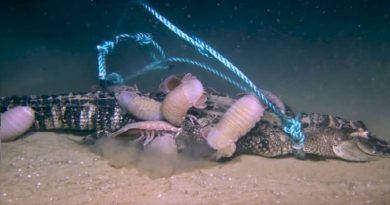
point(149, 137)
point(141, 138)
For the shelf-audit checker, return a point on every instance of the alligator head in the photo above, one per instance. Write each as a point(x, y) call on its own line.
point(331, 136)
point(325, 135)
point(352, 146)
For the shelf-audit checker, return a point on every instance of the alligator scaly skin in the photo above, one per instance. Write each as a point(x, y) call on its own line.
point(78, 112)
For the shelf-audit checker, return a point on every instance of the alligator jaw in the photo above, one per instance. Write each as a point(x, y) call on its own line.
point(350, 150)
point(362, 148)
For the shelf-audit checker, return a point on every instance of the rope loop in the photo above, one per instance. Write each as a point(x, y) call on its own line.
point(106, 47)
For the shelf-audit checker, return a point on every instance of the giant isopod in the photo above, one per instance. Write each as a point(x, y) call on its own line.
point(189, 93)
point(170, 83)
point(15, 122)
point(275, 100)
point(239, 119)
point(142, 107)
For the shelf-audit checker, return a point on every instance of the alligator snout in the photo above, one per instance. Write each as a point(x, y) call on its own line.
point(360, 148)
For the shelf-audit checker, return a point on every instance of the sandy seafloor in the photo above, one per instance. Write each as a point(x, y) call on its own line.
point(48, 168)
point(346, 73)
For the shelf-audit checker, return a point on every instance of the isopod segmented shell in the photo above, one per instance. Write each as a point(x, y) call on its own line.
point(189, 93)
point(239, 119)
point(15, 122)
point(142, 107)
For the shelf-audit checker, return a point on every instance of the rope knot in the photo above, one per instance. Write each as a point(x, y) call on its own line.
point(292, 126)
point(143, 38)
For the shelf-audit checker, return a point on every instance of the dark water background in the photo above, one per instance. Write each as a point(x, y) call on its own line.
point(319, 56)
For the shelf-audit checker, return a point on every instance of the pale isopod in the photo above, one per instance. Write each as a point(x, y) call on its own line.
point(275, 100)
point(189, 93)
point(15, 122)
point(148, 130)
point(170, 83)
point(239, 119)
point(142, 107)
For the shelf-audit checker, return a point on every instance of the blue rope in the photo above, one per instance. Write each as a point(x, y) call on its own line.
point(160, 65)
point(160, 61)
point(108, 46)
point(292, 126)
point(103, 50)
point(210, 69)
point(115, 78)
point(155, 65)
